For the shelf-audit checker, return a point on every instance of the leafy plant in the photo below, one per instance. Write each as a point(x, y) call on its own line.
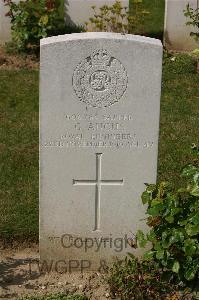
point(174, 220)
point(172, 263)
point(193, 15)
point(138, 280)
point(117, 18)
point(195, 53)
point(32, 20)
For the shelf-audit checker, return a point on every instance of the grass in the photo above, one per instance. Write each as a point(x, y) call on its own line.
point(19, 154)
point(57, 297)
point(19, 139)
point(154, 21)
point(179, 117)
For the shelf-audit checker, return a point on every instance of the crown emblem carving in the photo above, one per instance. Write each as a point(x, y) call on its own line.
point(100, 57)
point(100, 80)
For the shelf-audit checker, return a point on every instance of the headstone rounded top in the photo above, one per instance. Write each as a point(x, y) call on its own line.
point(100, 35)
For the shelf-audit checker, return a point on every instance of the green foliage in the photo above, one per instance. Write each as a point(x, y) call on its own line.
point(19, 155)
point(116, 18)
point(138, 280)
point(172, 263)
point(193, 15)
point(58, 296)
point(154, 22)
point(195, 53)
point(179, 64)
point(174, 220)
point(32, 20)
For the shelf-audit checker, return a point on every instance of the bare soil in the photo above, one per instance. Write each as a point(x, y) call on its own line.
point(20, 276)
point(16, 61)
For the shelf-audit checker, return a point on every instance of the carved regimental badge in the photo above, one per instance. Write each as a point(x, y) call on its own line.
point(100, 80)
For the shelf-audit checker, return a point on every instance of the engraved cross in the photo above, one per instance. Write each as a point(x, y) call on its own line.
point(98, 182)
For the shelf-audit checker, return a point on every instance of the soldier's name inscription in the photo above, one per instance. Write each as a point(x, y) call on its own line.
point(99, 130)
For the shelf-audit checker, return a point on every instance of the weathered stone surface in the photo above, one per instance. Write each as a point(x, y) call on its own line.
point(99, 123)
point(176, 32)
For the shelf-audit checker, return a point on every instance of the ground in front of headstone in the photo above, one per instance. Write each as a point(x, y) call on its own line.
point(21, 275)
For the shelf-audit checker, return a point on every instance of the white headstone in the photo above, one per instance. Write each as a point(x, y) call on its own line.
point(79, 11)
point(5, 34)
point(176, 32)
point(99, 123)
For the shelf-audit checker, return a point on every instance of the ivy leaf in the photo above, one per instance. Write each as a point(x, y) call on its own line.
point(182, 190)
point(190, 273)
point(160, 254)
point(169, 219)
point(148, 255)
point(43, 20)
point(195, 219)
point(192, 229)
point(164, 262)
point(190, 247)
point(194, 206)
point(177, 236)
point(145, 197)
point(196, 177)
point(183, 222)
point(189, 171)
point(165, 240)
point(195, 191)
point(176, 267)
point(158, 246)
point(156, 202)
point(141, 239)
point(151, 236)
point(175, 210)
point(151, 188)
point(155, 210)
